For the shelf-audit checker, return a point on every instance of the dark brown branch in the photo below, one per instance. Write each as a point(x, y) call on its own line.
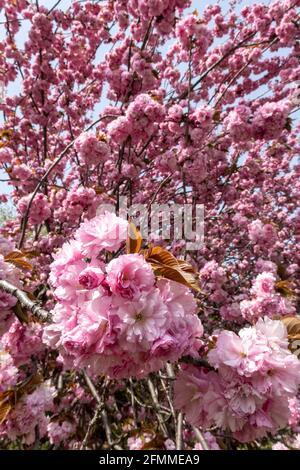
point(239, 72)
point(161, 185)
point(216, 64)
point(196, 362)
point(54, 6)
point(91, 425)
point(100, 413)
point(147, 34)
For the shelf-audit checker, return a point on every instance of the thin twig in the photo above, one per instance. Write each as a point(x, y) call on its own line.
point(92, 387)
point(216, 64)
point(99, 413)
point(54, 6)
point(147, 34)
point(239, 72)
point(132, 401)
point(179, 417)
point(161, 185)
point(91, 425)
point(168, 395)
point(106, 427)
point(200, 438)
point(157, 407)
point(179, 439)
point(99, 409)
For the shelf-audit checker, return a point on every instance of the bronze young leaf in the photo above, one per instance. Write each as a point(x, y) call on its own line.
point(283, 288)
point(16, 258)
point(165, 265)
point(134, 239)
point(11, 397)
point(293, 327)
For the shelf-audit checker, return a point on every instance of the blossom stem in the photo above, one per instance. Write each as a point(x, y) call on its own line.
point(179, 440)
point(200, 438)
point(157, 407)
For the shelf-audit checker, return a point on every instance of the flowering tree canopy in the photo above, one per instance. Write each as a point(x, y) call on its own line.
point(110, 339)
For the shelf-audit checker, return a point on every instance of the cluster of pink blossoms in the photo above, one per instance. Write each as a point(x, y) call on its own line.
point(39, 211)
point(60, 432)
point(20, 339)
point(249, 394)
point(8, 272)
point(262, 234)
point(115, 318)
point(265, 300)
point(29, 415)
point(8, 371)
point(191, 31)
point(19, 342)
point(163, 11)
point(267, 122)
point(200, 109)
point(6, 155)
point(212, 278)
point(294, 444)
point(138, 442)
point(23, 341)
point(91, 150)
point(70, 206)
point(140, 121)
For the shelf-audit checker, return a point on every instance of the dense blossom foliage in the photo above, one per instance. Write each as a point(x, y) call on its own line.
point(157, 103)
point(115, 318)
point(249, 395)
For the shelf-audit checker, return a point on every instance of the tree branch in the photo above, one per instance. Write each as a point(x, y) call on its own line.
point(216, 64)
point(37, 311)
point(195, 362)
point(179, 439)
point(100, 412)
point(157, 407)
point(200, 438)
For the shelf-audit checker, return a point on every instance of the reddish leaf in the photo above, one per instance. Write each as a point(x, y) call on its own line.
point(11, 397)
point(134, 239)
point(16, 258)
point(293, 327)
point(165, 265)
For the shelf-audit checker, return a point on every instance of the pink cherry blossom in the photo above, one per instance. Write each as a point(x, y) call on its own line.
point(149, 104)
point(90, 149)
point(129, 276)
point(90, 278)
point(104, 232)
point(39, 211)
point(255, 371)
